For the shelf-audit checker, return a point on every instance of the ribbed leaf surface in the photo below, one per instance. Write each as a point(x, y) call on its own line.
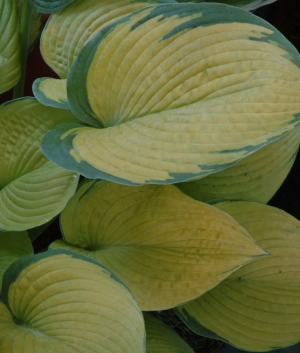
point(33, 190)
point(9, 45)
point(63, 302)
point(254, 178)
point(167, 248)
point(162, 339)
point(256, 308)
point(13, 245)
point(182, 91)
point(69, 29)
point(51, 92)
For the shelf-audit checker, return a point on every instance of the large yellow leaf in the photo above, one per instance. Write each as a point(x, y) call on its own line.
point(32, 189)
point(254, 178)
point(166, 247)
point(256, 308)
point(63, 302)
point(181, 91)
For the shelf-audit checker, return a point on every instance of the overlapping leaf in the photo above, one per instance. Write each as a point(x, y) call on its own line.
point(162, 339)
point(182, 91)
point(254, 178)
point(256, 308)
point(51, 92)
point(69, 29)
point(9, 45)
point(49, 6)
point(13, 245)
point(63, 302)
point(33, 190)
point(166, 247)
point(244, 4)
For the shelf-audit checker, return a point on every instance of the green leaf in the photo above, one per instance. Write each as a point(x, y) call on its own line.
point(175, 102)
point(244, 4)
point(167, 248)
point(64, 302)
point(36, 24)
point(51, 92)
point(67, 31)
point(254, 178)
point(257, 307)
point(9, 45)
point(32, 189)
point(162, 339)
point(13, 245)
point(3, 60)
point(49, 6)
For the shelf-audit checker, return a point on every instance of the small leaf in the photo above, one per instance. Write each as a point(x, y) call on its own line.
point(51, 92)
point(64, 302)
point(32, 189)
point(257, 307)
point(49, 6)
point(9, 45)
point(167, 248)
point(162, 339)
point(13, 245)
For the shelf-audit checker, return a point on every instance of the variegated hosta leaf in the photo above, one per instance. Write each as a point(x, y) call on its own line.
point(9, 45)
point(162, 339)
point(32, 189)
point(51, 92)
point(49, 6)
point(13, 245)
point(256, 308)
point(244, 4)
point(254, 178)
point(36, 23)
point(60, 301)
point(166, 247)
point(182, 91)
point(69, 29)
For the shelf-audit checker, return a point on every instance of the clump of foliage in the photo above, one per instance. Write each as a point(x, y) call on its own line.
point(182, 119)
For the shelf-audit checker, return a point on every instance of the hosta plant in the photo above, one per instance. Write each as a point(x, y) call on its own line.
point(202, 95)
